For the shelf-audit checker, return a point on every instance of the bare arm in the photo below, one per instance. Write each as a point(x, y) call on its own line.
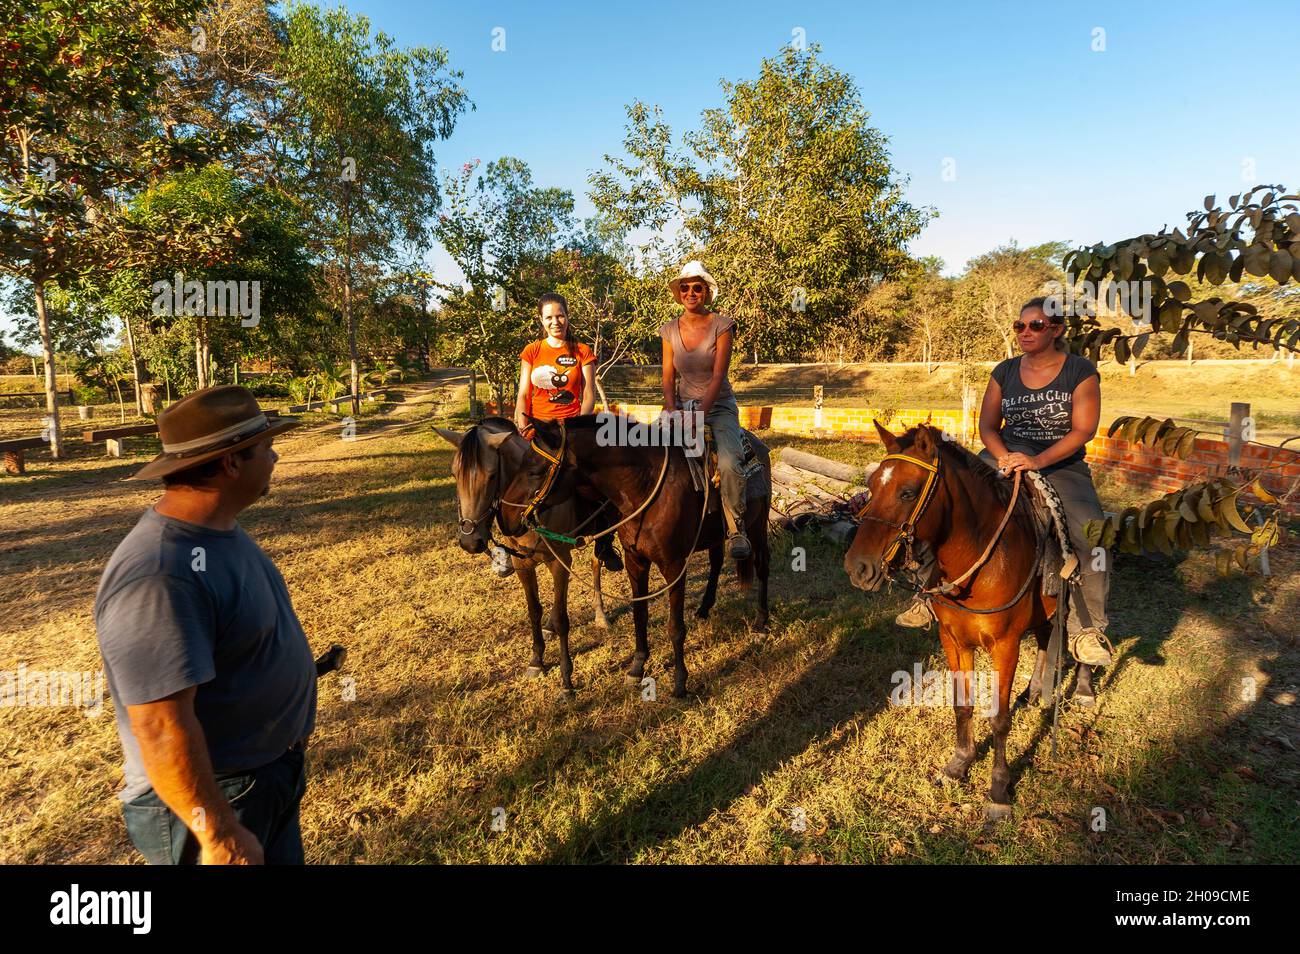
point(175, 756)
point(521, 396)
point(721, 363)
point(991, 420)
point(588, 388)
point(670, 377)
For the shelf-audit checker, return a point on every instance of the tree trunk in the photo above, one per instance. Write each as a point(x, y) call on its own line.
point(51, 378)
point(135, 365)
point(201, 356)
point(347, 302)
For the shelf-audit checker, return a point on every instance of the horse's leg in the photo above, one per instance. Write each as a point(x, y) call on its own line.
point(1083, 693)
point(711, 588)
point(1006, 653)
point(528, 579)
point(961, 663)
point(560, 622)
point(1033, 693)
point(677, 624)
point(597, 597)
point(762, 566)
point(638, 577)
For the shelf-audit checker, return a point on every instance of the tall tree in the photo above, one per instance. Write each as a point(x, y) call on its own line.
point(366, 116)
point(78, 131)
point(787, 190)
point(502, 231)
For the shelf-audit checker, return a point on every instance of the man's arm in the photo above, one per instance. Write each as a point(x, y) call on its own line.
point(175, 756)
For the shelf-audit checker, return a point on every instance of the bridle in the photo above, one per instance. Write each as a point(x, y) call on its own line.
point(493, 510)
point(906, 538)
point(907, 529)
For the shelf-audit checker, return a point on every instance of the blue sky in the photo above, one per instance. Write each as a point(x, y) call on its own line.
point(1049, 139)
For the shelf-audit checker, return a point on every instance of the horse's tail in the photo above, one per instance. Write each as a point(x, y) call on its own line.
point(745, 572)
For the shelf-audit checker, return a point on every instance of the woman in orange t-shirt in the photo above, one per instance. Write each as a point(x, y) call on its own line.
point(557, 375)
point(557, 379)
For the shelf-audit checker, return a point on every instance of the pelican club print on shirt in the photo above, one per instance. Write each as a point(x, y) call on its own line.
point(556, 379)
point(1033, 419)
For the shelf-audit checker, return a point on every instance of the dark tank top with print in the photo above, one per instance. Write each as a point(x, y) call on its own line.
point(1033, 419)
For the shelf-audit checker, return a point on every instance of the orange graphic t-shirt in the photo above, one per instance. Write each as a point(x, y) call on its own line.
point(555, 389)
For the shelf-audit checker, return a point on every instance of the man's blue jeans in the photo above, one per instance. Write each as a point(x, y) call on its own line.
point(265, 801)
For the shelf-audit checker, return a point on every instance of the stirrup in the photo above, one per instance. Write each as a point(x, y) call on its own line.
point(1091, 647)
point(739, 547)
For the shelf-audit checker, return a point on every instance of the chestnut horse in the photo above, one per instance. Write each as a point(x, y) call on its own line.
point(487, 459)
point(665, 522)
point(933, 491)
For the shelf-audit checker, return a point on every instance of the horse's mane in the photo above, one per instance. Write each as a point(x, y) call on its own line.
point(960, 458)
point(469, 457)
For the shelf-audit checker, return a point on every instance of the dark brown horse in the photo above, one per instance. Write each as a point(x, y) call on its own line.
point(952, 501)
point(665, 511)
point(487, 458)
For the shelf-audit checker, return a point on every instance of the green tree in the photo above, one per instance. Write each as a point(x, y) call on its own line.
point(365, 118)
point(502, 231)
point(78, 132)
point(786, 191)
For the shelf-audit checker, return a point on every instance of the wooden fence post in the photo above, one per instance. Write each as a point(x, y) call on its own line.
point(1236, 427)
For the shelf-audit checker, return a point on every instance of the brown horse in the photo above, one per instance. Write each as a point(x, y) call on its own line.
point(665, 523)
point(933, 491)
point(487, 458)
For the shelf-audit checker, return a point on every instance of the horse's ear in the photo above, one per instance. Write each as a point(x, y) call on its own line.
point(546, 434)
point(451, 437)
point(926, 441)
point(890, 441)
point(495, 439)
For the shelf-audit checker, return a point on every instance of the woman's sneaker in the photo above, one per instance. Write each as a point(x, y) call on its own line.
point(739, 548)
point(918, 615)
point(1091, 647)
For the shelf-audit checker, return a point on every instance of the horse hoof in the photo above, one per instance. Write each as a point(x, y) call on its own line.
point(601, 622)
point(996, 811)
point(701, 613)
point(532, 672)
point(1085, 701)
point(632, 680)
point(942, 779)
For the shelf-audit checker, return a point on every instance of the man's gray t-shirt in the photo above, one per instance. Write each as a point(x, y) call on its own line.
point(181, 605)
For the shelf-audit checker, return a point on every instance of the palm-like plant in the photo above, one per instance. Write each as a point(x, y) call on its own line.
point(332, 379)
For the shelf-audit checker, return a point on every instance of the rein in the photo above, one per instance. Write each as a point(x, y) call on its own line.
point(907, 536)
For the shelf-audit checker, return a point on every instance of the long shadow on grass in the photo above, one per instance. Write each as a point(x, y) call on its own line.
point(799, 715)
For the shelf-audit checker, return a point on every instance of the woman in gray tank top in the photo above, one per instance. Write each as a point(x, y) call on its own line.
point(696, 355)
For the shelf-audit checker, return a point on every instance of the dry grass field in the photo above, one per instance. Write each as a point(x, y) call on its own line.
point(443, 730)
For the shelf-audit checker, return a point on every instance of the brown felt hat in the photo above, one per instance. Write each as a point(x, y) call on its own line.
point(209, 424)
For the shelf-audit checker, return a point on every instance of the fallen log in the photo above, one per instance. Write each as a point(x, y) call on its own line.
point(846, 473)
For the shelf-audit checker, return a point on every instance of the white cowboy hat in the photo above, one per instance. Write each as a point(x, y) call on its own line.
point(694, 269)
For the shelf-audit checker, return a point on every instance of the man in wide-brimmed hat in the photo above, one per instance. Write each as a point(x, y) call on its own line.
point(212, 678)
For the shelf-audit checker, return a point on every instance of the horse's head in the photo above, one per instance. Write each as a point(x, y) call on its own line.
point(900, 502)
point(478, 471)
point(545, 477)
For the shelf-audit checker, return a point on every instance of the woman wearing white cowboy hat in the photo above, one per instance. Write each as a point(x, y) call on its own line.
point(696, 354)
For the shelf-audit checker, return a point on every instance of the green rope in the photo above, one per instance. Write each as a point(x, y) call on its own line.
point(558, 537)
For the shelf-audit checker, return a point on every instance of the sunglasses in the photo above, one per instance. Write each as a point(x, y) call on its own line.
point(698, 288)
point(1035, 324)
